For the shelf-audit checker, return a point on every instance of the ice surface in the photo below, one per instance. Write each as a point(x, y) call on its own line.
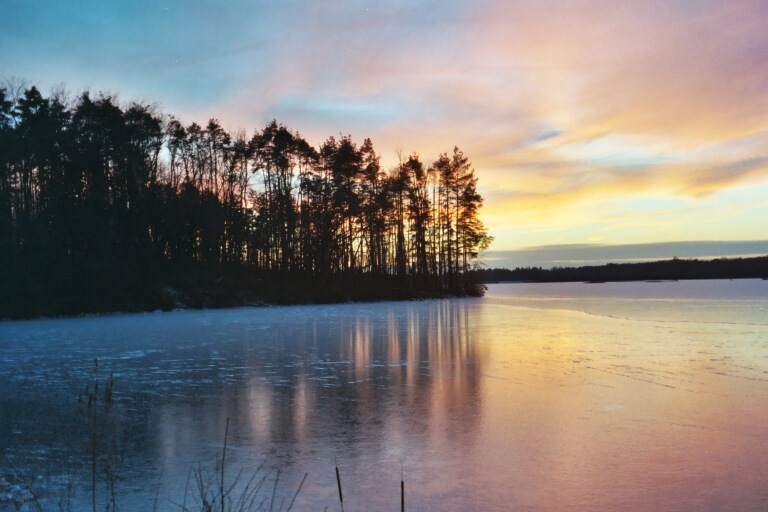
point(616, 396)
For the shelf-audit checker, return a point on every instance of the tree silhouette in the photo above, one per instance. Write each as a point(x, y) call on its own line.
point(105, 206)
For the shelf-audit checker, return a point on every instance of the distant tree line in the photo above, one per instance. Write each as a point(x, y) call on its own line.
point(108, 206)
point(676, 268)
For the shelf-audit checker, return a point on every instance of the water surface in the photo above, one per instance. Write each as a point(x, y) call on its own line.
point(616, 396)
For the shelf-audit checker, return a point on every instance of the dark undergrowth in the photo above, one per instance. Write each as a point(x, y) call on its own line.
point(199, 290)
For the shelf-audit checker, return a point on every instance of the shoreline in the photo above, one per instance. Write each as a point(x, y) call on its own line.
point(225, 296)
point(664, 270)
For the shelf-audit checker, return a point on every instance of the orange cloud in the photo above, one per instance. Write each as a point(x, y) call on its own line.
point(558, 104)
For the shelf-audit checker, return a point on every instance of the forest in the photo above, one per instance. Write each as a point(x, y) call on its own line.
point(107, 206)
point(664, 270)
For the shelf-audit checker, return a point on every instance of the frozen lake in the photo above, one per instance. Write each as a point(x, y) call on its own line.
point(616, 396)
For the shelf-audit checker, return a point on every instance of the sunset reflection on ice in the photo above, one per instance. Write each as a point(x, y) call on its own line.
point(626, 396)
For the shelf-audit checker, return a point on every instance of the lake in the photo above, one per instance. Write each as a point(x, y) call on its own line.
point(537, 397)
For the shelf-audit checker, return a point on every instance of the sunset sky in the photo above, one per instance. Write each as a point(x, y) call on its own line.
point(588, 122)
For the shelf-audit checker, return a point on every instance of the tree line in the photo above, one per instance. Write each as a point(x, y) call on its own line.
point(664, 270)
point(109, 206)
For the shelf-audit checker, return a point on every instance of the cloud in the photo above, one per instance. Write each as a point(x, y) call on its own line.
point(718, 177)
point(567, 109)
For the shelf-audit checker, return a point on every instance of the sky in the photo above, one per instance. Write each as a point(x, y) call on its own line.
point(589, 123)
